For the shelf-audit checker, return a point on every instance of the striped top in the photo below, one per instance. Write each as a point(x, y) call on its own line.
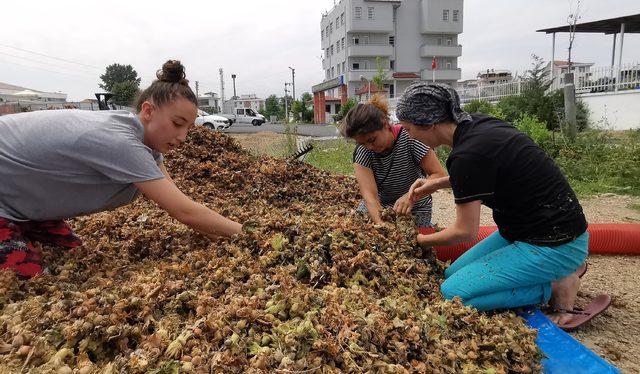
point(396, 170)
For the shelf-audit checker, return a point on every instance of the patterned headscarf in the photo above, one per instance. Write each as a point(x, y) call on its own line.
point(425, 104)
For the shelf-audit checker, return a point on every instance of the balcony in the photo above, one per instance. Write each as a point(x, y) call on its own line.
point(368, 74)
point(441, 74)
point(428, 50)
point(369, 50)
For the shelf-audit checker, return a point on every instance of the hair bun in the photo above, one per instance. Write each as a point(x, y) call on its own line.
point(172, 71)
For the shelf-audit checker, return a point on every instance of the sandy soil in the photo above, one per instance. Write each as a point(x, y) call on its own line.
point(614, 335)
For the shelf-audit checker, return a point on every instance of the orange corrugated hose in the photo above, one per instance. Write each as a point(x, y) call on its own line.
point(604, 238)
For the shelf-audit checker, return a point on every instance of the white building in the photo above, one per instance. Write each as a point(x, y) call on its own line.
point(581, 71)
point(400, 36)
point(209, 100)
point(11, 93)
point(244, 101)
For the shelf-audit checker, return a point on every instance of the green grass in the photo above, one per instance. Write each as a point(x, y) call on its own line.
point(332, 155)
point(597, 162)
point(634, 206)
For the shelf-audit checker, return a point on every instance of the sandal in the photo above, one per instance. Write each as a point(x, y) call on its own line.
point(582, 269)
point(582, 316)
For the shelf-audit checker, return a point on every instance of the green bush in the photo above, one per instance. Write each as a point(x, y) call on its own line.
point(478, 106)
point(536, 129)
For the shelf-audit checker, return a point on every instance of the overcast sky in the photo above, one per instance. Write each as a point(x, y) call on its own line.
point(65, 46)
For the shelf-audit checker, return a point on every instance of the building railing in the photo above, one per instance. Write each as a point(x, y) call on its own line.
point(594, 80)
point(603, 79)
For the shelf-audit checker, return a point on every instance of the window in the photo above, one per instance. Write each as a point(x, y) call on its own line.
point(392, 91)
point(342, 43)
point(456, 15)
point(337, 47)
point(240, 112)
point(331, 27)
point(448, 41)
point(326, 52)
point(321, 34)
point(338, 69)
point(327, 108)
point(445, 15)
point(356, 66)
point(356, 40)
point(439, 41)
point(370, 12)
point(331, 49)
point(326, 31)
point(328, 72)
point(342, 19)
point(358, 12)
point(448, 66)
point(337, 23)
point(343, 68)
point(365, 39)
point(392, 64)
point(392, 40)
point(333, 72)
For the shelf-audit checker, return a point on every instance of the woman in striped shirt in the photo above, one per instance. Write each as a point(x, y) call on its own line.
point(388, 161)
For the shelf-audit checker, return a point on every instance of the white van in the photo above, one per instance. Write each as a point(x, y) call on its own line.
point(248, 115)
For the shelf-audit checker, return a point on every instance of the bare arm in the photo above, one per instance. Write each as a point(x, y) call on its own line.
point(369, 191)
point(197, 216)
point(463, 230)
point(164, 171)
point(424, 187)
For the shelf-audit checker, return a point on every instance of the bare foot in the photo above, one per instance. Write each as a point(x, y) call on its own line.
point(563, 296)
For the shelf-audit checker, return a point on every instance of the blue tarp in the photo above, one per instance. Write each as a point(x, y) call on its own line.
point(564, 354)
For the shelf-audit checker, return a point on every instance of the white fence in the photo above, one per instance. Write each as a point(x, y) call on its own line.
point(604, 79)
point(31, 105)
point(594, 80)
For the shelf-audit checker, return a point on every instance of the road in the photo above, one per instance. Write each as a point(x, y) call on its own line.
point(304, 130)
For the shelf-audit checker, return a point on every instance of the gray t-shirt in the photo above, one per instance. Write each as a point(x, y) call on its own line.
point(65, 163)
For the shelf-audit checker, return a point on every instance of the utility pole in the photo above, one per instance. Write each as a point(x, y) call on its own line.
point(221, 85)
point(293, 81)
point(197, 94)
point(286, 105)
point(233, 76)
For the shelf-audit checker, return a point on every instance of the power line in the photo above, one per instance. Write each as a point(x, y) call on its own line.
point(48, 56)
point(40, 62)
point(40, 68)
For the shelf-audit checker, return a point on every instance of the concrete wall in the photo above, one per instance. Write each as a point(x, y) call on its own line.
point(614, 111)
point(408, 37)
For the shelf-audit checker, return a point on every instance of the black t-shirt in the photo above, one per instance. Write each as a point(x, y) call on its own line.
point(532, 201)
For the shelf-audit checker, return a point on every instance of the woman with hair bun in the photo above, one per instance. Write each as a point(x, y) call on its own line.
point(66, 163)
point(387, 162)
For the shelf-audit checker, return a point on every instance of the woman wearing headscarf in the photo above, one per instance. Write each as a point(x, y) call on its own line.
point(538, 252)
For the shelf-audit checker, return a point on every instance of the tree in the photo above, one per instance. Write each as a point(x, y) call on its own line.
point(116, 73)
point(572, 20)
point(381, 76)
point(271, 107)
point(124, 93)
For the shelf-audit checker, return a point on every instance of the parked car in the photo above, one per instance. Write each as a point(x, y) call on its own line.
point(246, 115)
point(212, 121)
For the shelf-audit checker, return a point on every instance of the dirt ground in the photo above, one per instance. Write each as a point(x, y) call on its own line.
point(614, 335)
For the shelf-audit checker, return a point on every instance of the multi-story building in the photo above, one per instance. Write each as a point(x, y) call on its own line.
point(401, 37)
point(244, 101)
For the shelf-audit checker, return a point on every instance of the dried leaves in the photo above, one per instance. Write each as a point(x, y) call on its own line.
point(310, 286)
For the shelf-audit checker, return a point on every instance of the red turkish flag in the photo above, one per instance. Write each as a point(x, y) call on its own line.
point(434, 64)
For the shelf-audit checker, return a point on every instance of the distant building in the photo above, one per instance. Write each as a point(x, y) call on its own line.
point(582, 72)
point(403, 38)
point(491, 76)
point(11, 93)
point(244, 101)
point(210, 101)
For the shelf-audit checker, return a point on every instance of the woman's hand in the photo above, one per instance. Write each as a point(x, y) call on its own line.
point(403, 205)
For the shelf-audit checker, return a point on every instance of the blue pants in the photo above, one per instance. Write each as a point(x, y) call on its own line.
point(497, 274)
